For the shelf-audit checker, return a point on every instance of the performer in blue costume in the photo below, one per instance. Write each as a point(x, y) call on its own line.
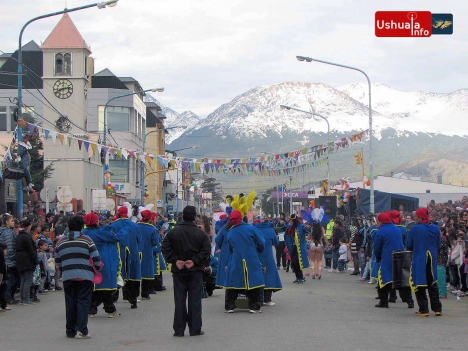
point(149, 240)
point(160, 263)
point(405, 293)
point(386, 240)
point(375, 266)
point(295, 239)
point(271, 276)
point(209, 279)
point(244, 268)
point(129, 254)
point(424, 239)
point(107, 244)
point(222, 249)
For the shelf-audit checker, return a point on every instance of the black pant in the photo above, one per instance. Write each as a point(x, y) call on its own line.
point(158, 281)
point(146, 286)
point(3, 302)
point(131, 291)
point(280, 254)
point(328, 262)
point(295, 263)
point(105, 297)
point(433, 290)
point(188, 284)
point(12, 282)
point(231, 297)
point(405, 295)
point(383, 293)
point(77, 301)
point(355, 261)
point(267, 295)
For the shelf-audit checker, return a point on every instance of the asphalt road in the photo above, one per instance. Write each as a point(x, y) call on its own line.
point(334, 313)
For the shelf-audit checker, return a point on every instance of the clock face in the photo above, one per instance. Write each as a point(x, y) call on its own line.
point(63, 88)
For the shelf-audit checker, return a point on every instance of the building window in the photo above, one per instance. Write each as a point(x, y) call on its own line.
point(120, 170)
point(118, 118)
point(3, 119)
point(63, 64)
point(86, 65)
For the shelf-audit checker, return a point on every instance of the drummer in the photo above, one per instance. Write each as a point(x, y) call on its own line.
point(386, 240)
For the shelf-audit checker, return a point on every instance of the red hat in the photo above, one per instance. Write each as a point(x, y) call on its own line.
point(257, 221)
point(122, 212)
point(223, 216)
point(395, 216)
point(423, 213)
point(235, 218)
point(145, 215)
point(154, 215)
point(384, 218)
point(91, 219)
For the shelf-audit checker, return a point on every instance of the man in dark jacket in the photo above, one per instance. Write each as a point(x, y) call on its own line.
point(8, 237)
point(26, 260)
point(188, 249)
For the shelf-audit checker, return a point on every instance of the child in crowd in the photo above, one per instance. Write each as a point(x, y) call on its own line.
point(288, 259)
point(36, 283)
point(44, 265)
point(343, 251)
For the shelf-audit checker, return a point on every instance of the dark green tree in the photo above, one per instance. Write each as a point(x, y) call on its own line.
point(209, 185)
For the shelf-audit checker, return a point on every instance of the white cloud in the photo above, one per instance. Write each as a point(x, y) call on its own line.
point(206, 52)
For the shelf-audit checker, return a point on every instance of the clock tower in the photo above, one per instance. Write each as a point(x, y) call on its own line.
point(65, 88)
point(65, 77)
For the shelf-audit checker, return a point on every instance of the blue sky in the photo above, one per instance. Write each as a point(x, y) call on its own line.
point(206, 52)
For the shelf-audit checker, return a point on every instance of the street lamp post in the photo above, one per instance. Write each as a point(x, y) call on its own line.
point(318, 115)
point(142, 183)
point(99, 5)
point(371, 156)
point(104, 138)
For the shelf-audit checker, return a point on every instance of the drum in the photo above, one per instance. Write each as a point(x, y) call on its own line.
point(401, 268)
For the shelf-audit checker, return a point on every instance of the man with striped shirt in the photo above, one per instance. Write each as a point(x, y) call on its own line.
point(72, 254)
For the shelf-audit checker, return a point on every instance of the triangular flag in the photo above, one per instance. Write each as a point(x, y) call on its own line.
point(69, 140)
point(118, 152)
point(60, 136)
point(86, 145)
point(53, 135)
point(94, 148)
point(80, 143)
point(46, 133)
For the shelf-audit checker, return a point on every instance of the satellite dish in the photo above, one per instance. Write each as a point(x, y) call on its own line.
point(64, 195)
point(110, 204)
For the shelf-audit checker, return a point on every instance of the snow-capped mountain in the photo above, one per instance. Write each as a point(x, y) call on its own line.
point(416, 111)
point(257, 112)
point(174, 118)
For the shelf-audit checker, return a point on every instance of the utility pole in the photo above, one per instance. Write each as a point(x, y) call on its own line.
point(290, 196)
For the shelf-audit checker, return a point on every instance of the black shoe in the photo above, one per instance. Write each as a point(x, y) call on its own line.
point(12, 302)
point(377, 298)
point(178, 335)
point(410, 304)
point(200, 333)
point(354, 273)
point(152, 292)
point(392, 300)
point(133, 306)
point(58, 288)
point(161, 288)
point(381, 305)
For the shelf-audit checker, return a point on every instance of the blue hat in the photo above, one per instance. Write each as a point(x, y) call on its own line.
point(101, 218)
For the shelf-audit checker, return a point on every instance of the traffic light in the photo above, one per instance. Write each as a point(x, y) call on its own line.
point(358, 158)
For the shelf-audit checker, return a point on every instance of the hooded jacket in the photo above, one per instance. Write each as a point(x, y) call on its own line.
point(8, 237)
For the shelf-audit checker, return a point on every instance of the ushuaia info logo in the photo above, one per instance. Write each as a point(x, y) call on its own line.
point(403, 24)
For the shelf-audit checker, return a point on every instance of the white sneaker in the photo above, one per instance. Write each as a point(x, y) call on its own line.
point(113, 315)
point(91, 315)
point(255, 311)
point(229, 311)
point(271, 303)
point(372, 281)
point(79, 335)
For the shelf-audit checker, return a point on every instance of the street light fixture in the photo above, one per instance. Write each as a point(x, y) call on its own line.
point(99, 5)
point(142, 183)
point(371, 156)
point(285, 107)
